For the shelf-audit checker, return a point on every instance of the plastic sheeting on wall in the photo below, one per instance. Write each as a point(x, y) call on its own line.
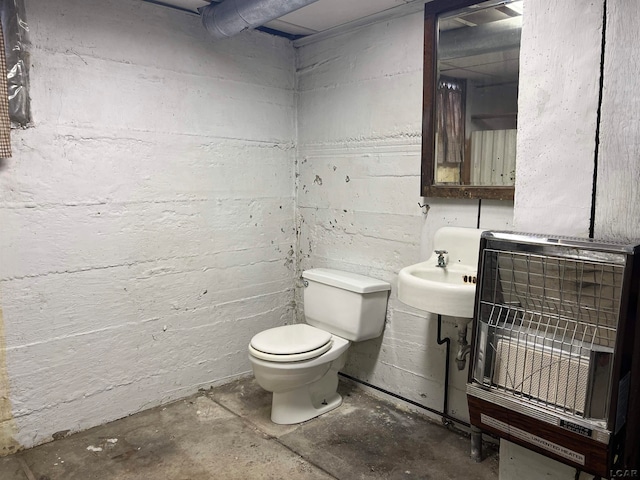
point(15, 30)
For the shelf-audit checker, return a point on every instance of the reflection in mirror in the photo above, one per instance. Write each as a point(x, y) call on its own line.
point(476, 95)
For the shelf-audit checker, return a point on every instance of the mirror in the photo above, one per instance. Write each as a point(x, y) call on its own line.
point(470, 109)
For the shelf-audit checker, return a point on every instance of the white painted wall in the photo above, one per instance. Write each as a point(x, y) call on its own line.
point(557, 115)
point(147, 217)
point(359, 111)
point(617, 195)
point(162, 165)
point(359, 134)
point(557, 129)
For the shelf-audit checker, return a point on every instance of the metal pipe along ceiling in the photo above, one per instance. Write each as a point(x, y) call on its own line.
point(233, 16)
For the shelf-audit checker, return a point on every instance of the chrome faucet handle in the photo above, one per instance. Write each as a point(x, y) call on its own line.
point(442, 263)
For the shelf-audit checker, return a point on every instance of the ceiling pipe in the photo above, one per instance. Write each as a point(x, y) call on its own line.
point(230, 17)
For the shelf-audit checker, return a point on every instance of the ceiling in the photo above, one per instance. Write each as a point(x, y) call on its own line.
point(319, 16)
point(482, 43)
point(491, 65)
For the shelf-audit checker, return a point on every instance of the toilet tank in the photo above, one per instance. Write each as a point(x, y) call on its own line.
point(346, 304)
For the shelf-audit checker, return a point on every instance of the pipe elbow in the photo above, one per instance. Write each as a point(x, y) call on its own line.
point(220, 21)
point(231, 17)
point(461, 356)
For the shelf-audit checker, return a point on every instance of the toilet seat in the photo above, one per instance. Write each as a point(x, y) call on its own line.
point(290, 343)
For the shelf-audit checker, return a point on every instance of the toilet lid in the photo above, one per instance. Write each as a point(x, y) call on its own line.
point(292, 340)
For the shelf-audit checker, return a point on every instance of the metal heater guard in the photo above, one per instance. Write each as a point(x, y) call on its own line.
point(550, 365)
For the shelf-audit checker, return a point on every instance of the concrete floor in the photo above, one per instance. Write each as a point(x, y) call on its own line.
point(225, 433)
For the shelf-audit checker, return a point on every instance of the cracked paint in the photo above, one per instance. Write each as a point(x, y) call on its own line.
point(113, 249)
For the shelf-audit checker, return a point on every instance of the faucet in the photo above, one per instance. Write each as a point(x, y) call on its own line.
point(442, 262)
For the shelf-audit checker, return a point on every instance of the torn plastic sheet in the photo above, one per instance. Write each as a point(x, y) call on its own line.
point(16, 42)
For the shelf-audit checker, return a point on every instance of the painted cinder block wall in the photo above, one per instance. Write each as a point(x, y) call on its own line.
point(127, 201)
point(147, 218)
point(359, 137)
point(359, 111)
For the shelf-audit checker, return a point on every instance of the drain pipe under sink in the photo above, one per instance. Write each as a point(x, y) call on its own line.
point(463, 346)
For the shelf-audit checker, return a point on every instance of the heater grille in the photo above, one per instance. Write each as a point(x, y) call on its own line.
point(555, 356)
point(547, 329)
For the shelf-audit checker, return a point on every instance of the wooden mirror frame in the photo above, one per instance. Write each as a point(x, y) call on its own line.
point(429, 188)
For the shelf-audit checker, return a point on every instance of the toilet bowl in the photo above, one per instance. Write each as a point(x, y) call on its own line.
point(298, 393)
point(299, 363)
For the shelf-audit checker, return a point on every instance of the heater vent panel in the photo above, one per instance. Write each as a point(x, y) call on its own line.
point(548, 329)
point(554, 329)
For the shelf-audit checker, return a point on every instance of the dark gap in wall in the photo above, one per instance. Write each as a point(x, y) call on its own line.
point(598, 118)
point(479, 210)
point(278, 33)
point(174, 7)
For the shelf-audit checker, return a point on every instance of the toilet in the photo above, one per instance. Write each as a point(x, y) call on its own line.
point(299, 363)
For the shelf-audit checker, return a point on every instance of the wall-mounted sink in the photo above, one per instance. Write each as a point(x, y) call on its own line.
point(448, 289)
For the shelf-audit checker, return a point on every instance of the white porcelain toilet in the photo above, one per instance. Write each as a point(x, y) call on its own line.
point(300, 363)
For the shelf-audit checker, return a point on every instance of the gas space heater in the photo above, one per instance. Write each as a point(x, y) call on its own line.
point(556, 351)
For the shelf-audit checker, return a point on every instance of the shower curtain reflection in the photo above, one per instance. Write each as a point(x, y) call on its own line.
point(450, 136)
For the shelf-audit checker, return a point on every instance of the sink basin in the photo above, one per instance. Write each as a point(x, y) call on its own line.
point(448, 290)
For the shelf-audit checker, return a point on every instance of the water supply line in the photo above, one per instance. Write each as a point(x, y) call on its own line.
point(447, 342)
point(231, 17)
